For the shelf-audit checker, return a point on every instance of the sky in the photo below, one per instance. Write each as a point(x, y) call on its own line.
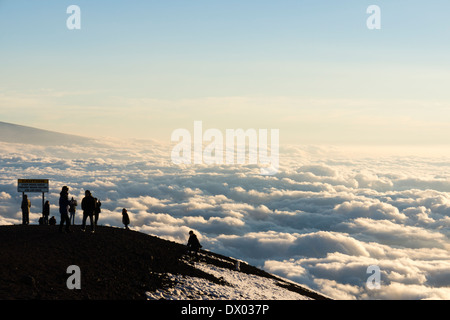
point(311, 69)
point(362, 117)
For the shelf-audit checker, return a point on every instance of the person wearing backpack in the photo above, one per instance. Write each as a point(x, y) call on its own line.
point(88, 206)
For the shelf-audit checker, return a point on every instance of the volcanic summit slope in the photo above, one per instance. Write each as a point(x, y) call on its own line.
point(114, 264)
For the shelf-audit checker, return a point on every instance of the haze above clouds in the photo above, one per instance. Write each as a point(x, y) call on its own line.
point(325, 217)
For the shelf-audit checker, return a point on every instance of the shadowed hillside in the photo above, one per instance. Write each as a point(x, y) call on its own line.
point(114, 263)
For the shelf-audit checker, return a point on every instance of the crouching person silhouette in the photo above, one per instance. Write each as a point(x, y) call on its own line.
point(193, 245)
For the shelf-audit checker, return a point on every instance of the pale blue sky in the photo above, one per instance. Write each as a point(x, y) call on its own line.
point(309, 68)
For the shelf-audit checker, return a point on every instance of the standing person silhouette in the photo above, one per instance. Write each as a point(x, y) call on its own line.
point(125, 218)
point(97, 210)
point(25, 206)
point(63, 209)
point(46, 212)
point(72, 210)
point(88, 206)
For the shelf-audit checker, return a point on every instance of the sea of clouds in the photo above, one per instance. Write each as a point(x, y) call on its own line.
point(322, 220)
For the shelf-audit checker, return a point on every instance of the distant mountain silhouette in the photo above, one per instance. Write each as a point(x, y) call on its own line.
point(15, 133)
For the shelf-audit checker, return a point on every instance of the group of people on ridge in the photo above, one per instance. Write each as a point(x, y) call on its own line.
point(91, 209)
point(89, 205)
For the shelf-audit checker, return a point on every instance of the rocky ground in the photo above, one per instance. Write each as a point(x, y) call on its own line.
point(114, 264)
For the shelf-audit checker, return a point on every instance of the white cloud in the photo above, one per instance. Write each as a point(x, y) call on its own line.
point(374, 209)
point(322, 220)
point(388, 232)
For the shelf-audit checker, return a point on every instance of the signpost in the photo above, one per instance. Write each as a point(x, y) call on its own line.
point(33, 185)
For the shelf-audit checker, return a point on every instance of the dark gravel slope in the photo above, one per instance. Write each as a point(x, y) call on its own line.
point(114, 263)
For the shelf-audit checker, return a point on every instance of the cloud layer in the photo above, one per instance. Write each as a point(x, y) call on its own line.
point(325, 217)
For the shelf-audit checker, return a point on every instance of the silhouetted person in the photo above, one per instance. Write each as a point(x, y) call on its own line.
point(97, 210)
point(72, 210)
point(46, 212)
point(125, 218)
point(193, 244)
point(26, 205)
point(64, 209)
point(52, 221)
point(88, 206)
